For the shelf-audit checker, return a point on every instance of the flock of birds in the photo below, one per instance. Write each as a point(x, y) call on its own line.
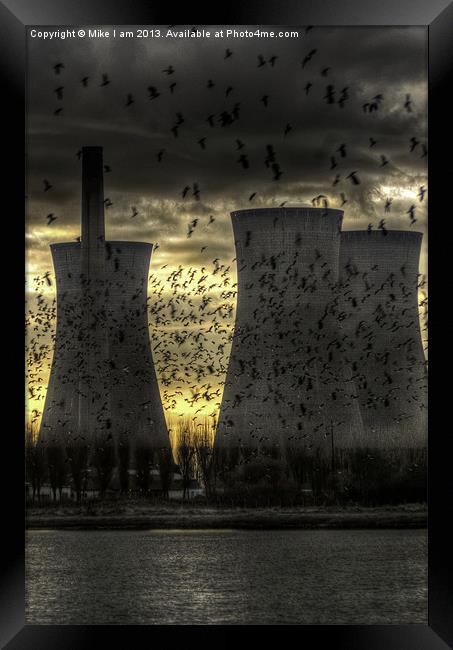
point(191, 309)
point(191, 312)
point(232, 115)
point(310, 345)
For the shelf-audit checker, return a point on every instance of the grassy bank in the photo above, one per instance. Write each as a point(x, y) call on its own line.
point(141, 517)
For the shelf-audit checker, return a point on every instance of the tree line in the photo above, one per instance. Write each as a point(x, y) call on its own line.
point(237, 476)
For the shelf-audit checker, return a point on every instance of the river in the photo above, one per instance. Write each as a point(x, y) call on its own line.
point(226, 577)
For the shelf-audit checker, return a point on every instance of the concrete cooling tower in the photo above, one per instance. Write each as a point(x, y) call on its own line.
point(287, 382)
point(379, 303)
point(102, 380)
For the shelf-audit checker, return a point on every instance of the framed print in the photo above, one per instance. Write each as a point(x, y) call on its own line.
point(230, 227)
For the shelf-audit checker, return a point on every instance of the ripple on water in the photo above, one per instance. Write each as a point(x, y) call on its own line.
point(226, 577)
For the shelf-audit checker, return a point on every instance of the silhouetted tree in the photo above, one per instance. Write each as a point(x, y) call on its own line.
point(296, 463)
point(77, 458)
point(185, 457)
point(35, 465)
point(124, 454)
point(143, 461)
point(203, 449)
point(104, 463)
point(166, 465)
point(56, 468)
point(219, 464)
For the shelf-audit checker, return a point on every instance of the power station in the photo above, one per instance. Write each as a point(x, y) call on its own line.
point(102, 383)
point(326, 351)
point(380, 317)
point(287, 381)
point(327, 347)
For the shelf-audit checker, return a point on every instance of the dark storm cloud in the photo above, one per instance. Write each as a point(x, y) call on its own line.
point(366, 61)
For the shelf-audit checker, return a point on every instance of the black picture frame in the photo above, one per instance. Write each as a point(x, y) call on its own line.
point(437, 16)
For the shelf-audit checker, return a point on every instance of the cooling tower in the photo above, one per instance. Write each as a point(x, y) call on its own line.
point(102, 378)
point(379, 301)
point(287, 383)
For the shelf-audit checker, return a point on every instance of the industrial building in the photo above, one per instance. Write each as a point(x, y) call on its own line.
point(287, 381)
point(327, 350)
point(379, 273)
point(102, 384)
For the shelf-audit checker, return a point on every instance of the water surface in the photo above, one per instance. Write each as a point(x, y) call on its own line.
point(226, 577)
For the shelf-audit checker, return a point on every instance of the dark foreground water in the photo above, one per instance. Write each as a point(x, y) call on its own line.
point(227, 577)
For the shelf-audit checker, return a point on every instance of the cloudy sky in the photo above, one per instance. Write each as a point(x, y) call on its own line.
point(304, 111)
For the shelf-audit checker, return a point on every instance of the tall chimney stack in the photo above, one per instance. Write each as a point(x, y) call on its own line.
point(93, 225)
point(93, 380)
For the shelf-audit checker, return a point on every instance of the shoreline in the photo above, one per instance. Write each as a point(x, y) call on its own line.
point(233, 519)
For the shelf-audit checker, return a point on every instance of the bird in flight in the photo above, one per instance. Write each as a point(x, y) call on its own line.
point(51, 218)
point(153, 93)
point(308, 57)
point(408, 103)
point(414, 142)
point(317, 199)
point(344, 97)
point(382, 227)
point(411, 213)
point(243, 160)
point(330, 94)
point(354, 178)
